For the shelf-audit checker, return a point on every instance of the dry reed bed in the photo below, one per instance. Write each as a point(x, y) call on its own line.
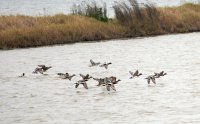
point(25, 31)
point(149, 20)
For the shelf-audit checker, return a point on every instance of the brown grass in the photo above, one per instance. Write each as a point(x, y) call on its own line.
point(182, 19)
point(149, 20)
point(25, 31)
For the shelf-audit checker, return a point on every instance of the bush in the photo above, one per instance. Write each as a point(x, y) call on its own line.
point(133, 12)
point(91, 10)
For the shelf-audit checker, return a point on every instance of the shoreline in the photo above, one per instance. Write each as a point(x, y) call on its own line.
point(28, 32)
point(134, 38)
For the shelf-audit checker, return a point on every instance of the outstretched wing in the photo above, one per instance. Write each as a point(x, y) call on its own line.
point(136, 73)
point(82, 76)
point(148, 80)
point(131, 72)
point(96, 79)
point(153, 80)
point(98, 63)
point(162, 72)
point(40, 71)
point(42, 66)
point(113, 87)
point(92, 62)
point(85, 85)
point(106, 66)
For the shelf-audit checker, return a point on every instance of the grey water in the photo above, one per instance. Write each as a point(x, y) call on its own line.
point(39, 99)
point(52, 7)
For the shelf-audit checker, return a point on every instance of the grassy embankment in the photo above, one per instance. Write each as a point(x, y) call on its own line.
point(25, 31)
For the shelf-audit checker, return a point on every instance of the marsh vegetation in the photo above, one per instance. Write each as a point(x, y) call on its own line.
point(90, 23)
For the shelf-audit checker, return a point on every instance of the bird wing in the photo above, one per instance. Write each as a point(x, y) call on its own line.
point(136, 73)
point(92, 62)
point(106, 66)
point(153, 80)
point(113, 87)
point(108, 87)
point(40, 71)
point(42, 66)
point(162, 72)
point(77, 84)
point(148, 80)
point(98, 63)
point(70, 77)
point(131, 72)
point(85, 85)
point(96, 79)
point(82, 76)
point(116, 81)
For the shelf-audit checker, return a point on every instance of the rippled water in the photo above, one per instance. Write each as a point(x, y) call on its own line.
point(41, 99)
point(51, 7)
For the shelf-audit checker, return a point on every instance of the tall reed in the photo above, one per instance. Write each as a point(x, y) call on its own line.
point(147, 19)
point(91, 10)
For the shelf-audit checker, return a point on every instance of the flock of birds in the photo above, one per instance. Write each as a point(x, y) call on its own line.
point(108, 82)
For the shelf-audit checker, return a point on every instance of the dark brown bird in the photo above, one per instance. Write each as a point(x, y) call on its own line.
point(151, 78)
point(93, 63)
point(83, 82)
point(136, 74)
point(158, 75)
point(105, 65)
point(45, 68)
point(40, 70)
point(85, 77)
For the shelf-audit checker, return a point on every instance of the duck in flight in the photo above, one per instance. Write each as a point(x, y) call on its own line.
point(85, 77)
point(83, 82)
point(105, 65)
point(40, 70)
point(110, 82)
point(158, 75)
point(151, 78)
point(135, 74)
point(45, 68)
point(66, 76)
point(162, 73)
point(93, 63)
